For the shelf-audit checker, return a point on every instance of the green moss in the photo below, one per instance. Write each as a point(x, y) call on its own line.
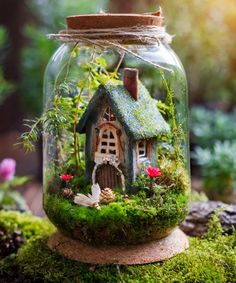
point(133, 220)
point(207, 260)
point(174, 174)
point(129, 221)
point(30, 226)
point(198, 196)
point(174, 177)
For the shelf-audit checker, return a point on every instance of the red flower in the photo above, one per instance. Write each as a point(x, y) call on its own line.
point(153, 172)
point(66, 177)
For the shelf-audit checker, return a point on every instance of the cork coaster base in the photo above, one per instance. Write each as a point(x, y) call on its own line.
point(150, 252)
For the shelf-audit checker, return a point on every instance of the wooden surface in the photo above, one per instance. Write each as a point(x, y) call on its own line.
point(33, 194)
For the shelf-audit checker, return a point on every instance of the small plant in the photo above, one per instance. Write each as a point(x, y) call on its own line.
point(10, 199)
point(66, 177)
point(153, 173)
point(68, 107)
point(198, 196)
point(217, 126)
point(67, 191)
point(218, 167)
point(215, 229)
point(142, 182)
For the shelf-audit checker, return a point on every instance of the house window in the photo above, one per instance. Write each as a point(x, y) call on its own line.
point(108, 116)
point(108, 143)
point(142, 149)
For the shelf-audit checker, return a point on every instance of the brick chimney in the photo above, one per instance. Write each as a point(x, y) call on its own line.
point(131, 81)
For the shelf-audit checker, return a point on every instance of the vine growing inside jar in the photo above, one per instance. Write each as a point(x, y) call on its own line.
point(71, 99)
point(168, 108)
point(67, 108)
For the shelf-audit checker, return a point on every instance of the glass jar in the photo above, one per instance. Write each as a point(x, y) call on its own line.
point(116, 155)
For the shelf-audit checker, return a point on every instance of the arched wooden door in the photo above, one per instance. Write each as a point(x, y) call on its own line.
point(108, 176)
point(107, 159)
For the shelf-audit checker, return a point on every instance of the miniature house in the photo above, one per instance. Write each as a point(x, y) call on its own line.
point(122, 126)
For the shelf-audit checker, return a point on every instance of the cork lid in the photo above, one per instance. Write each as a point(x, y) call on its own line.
point(103, 21)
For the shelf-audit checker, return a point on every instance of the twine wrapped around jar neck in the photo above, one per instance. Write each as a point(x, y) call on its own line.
point(122, 35)
point(109, 31)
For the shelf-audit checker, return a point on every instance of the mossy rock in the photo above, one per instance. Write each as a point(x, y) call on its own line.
point(212, 259)
point(123, 222)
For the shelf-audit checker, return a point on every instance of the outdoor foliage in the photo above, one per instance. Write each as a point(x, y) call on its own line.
point(9, 198)
point(218, 166)
point(208, 126)
point(211, 259)
point(205, 44)
point(6, 87)
point(215, 136)
point(37, 53)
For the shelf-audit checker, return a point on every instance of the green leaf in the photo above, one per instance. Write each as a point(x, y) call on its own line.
point(7, 201)
point(101, 61)
point(19, 181)
point(18, 200)
point(1, 196)
point(164, 109)
point(4, 185)
point(82, 84)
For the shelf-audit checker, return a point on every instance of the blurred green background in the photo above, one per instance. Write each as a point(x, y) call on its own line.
point(204, 40)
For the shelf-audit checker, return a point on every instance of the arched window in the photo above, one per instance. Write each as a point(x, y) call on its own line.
point(108, 142)
point(142, 149)
point(108, 116)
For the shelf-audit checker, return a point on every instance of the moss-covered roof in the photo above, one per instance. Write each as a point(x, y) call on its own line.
point(140, 119)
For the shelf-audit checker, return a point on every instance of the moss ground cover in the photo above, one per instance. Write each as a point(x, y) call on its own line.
point(133, 219)
point(212, 259)
point(129, 221)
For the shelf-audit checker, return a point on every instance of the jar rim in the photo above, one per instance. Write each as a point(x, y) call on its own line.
point(110, 20)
